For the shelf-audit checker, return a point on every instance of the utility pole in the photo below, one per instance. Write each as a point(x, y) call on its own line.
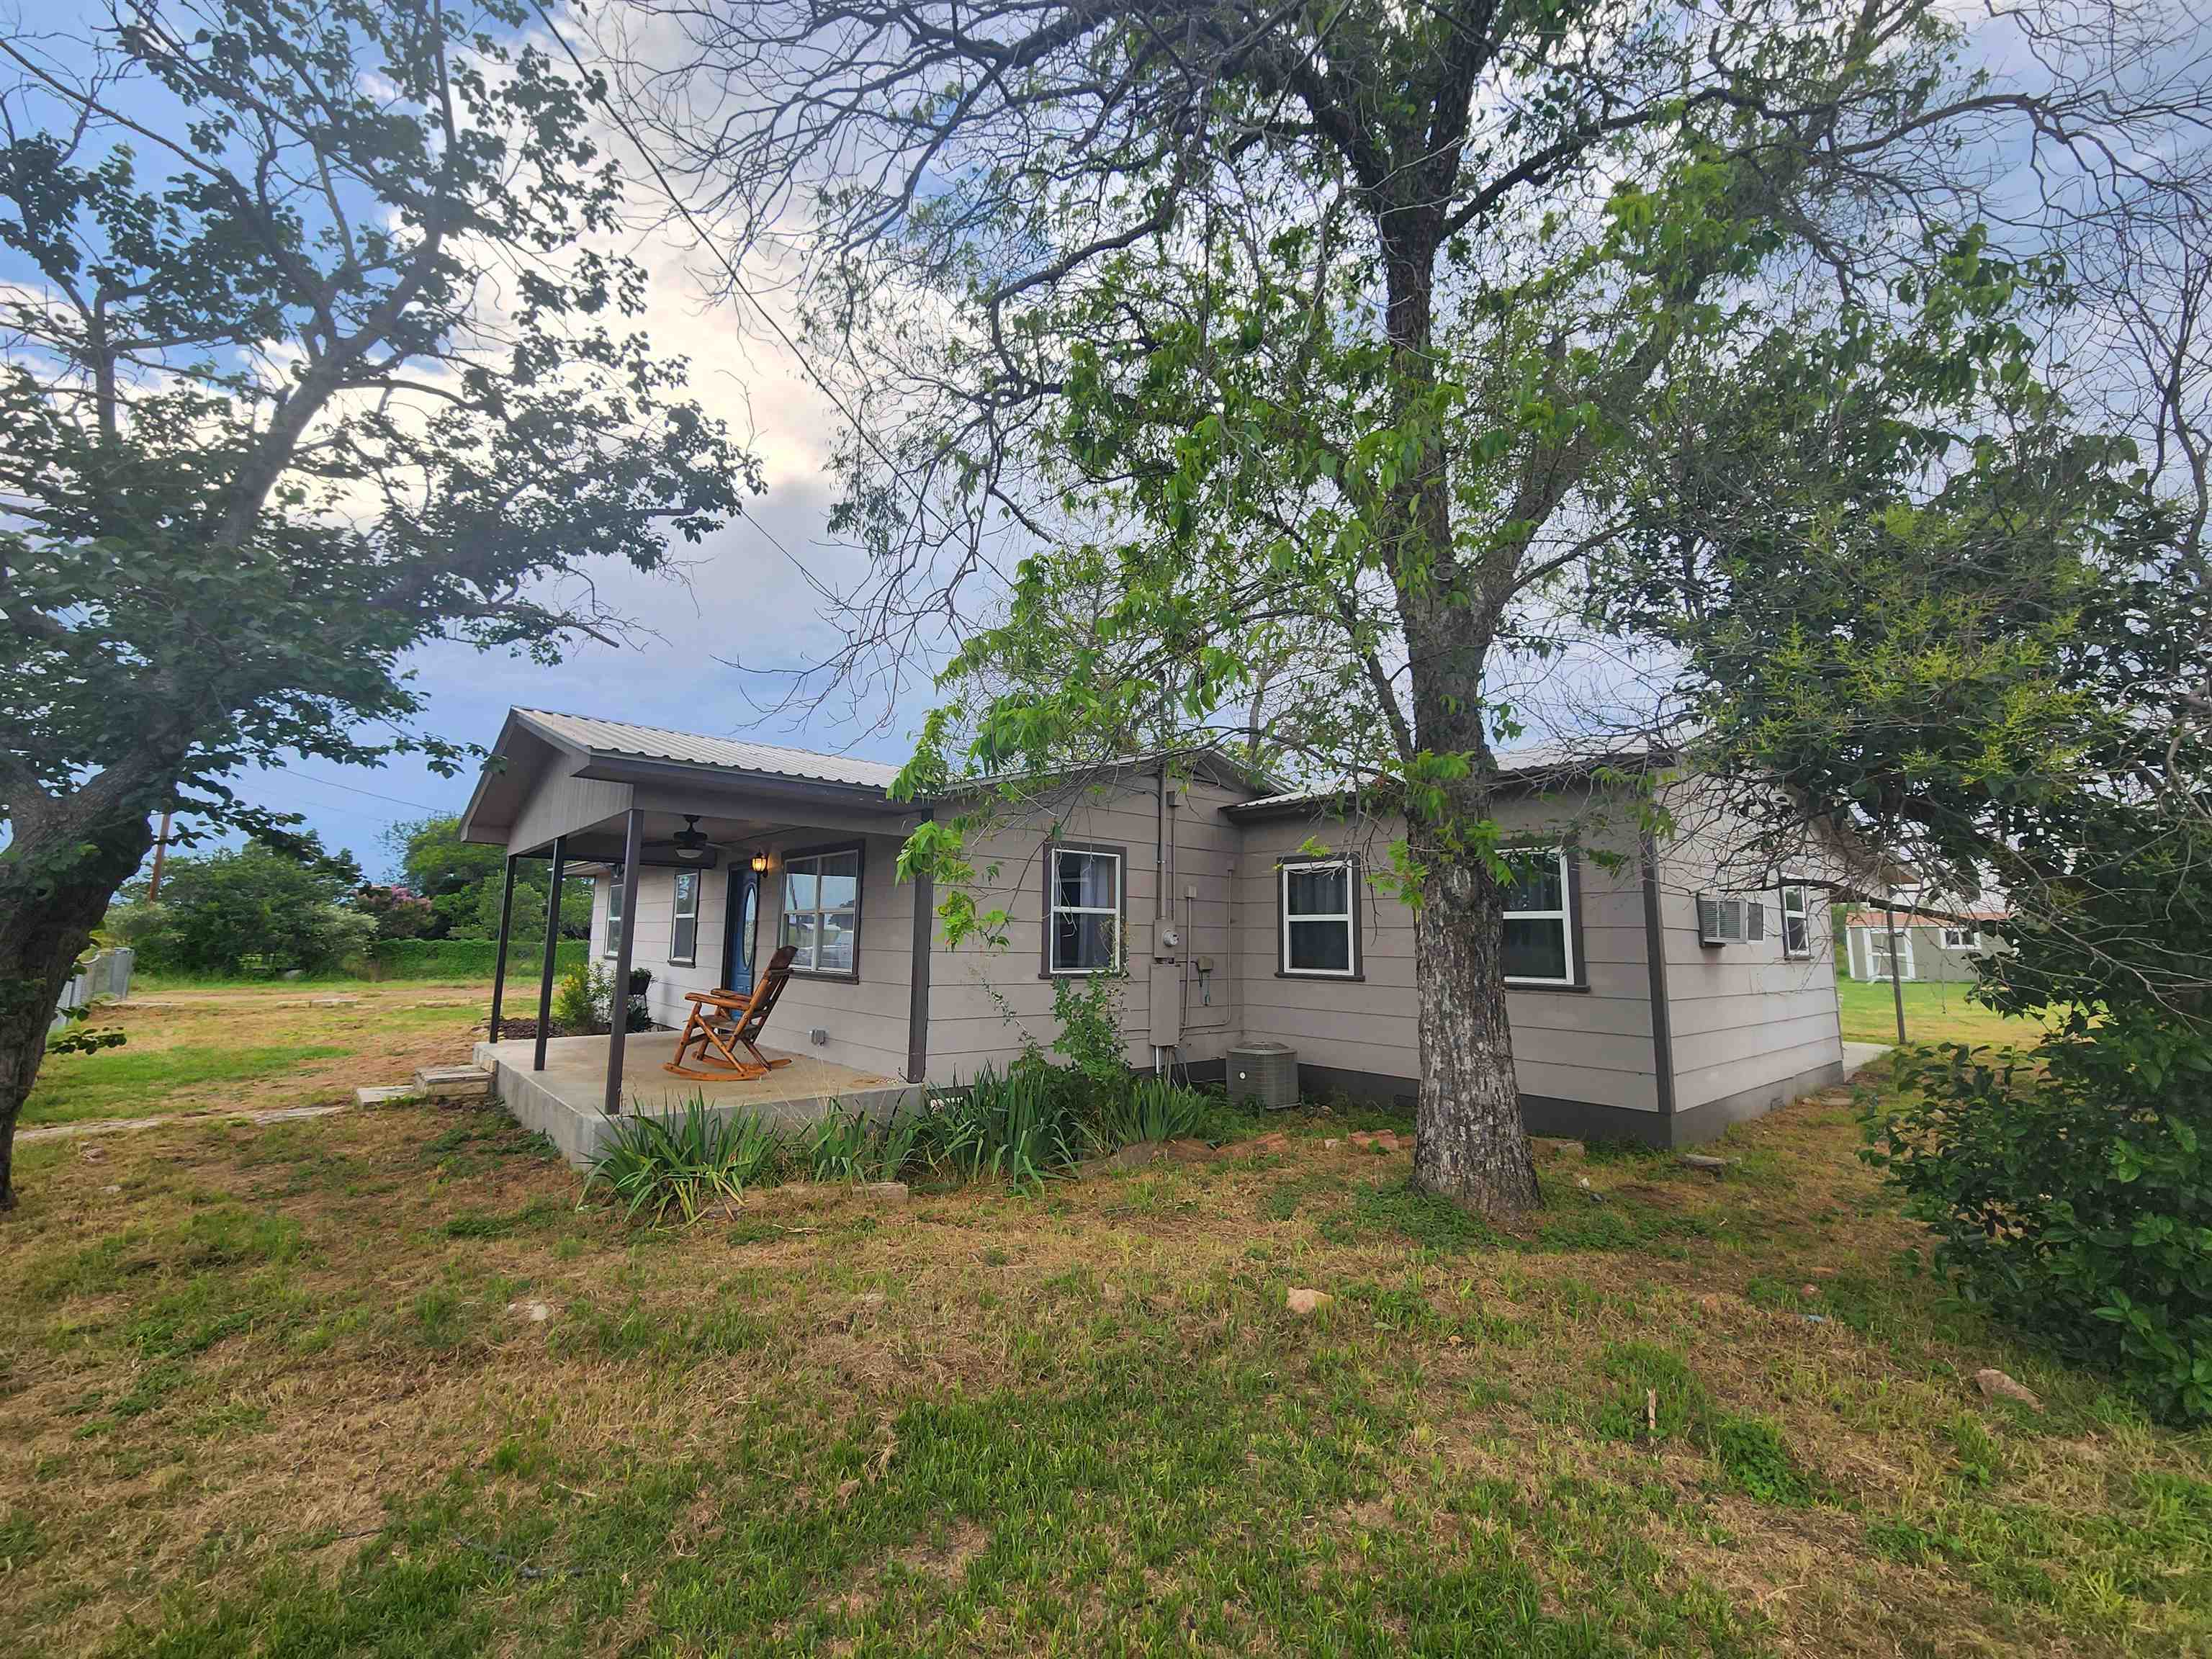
point(160, 853)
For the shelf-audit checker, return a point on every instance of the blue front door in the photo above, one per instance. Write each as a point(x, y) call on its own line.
point(738, 930)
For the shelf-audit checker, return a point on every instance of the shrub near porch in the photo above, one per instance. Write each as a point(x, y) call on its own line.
point(375, 1382)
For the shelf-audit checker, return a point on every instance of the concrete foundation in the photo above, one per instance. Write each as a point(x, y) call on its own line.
point(564, 1102)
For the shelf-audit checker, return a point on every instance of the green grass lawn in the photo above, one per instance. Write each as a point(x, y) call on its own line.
point(226, 1046)
point(1933, 1014)
point(374, 1383)
point(119, 1084)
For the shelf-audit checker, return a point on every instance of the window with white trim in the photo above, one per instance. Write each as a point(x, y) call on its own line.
point(614, 911)
point(822, 912)
point(1320, 934)
point(1796, 919)
point(1082, 935)
point(684, 920)
point(1539, 946)
point(1962, 938)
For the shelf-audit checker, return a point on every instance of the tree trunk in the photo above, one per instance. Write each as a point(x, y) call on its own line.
point(1469, 1143)
point(56, 879)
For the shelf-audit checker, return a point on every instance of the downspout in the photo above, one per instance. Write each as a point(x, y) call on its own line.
point(917, 1004)
point(1655, 957)
point(1159, 869)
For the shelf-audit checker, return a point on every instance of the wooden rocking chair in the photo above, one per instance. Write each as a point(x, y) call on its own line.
point(722, 1022)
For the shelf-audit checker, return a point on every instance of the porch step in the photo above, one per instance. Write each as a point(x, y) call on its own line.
point(453, 1082)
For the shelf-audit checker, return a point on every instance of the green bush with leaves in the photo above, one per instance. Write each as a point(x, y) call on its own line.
point(81, 1038)
point(1088, 1010)
point(2071, 1191)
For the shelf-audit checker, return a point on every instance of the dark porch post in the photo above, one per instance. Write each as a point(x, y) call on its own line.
point(552, 938)
point(618, 1010)
point(499, 959)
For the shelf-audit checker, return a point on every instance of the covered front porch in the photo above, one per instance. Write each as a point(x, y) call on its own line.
point(705, 853)
point(565, 1099)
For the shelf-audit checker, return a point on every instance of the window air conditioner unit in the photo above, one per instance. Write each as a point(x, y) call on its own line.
point(1727, 920)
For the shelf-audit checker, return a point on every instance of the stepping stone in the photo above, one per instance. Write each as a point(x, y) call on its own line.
point(385, 1096)
point(453, 1082)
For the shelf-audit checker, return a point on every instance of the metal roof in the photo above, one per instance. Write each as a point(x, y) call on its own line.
point(601, 736)
point(1563, 759)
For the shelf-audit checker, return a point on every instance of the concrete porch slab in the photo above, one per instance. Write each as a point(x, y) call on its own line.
point(564, 1102)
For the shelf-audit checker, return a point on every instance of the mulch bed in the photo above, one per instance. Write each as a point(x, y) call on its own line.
point(521, 1027)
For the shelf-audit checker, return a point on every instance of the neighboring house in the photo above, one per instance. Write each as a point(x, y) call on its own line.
point(1942, 949)
point(1654, 992)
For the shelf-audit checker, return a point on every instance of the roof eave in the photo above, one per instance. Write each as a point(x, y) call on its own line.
point(614, 767)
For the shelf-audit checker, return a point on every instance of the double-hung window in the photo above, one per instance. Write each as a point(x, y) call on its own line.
point(1796, 919)
point(1083, 894)
point(822, 911)
point(1320, 922)
point(684, 920)
point(614, 911)
point(1962, 938)
point(1539, 946)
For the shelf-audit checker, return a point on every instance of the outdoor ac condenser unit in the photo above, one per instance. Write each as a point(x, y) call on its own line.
point(1267, 1072)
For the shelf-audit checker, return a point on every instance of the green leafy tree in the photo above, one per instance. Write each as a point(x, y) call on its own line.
point(397, 912)
point(462, 883)
point(1990, 658)
point(254, 910)
point(316, 355)
point(1995, 659)
point(437, 865)
point(1337, 325)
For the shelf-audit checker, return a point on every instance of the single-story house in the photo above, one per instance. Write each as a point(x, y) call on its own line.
point(1656, 991)
point(1942, 948)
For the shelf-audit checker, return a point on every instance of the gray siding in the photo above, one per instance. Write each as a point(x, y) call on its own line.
point(649, 946)
point(866, 1019)
point(1748, 1023)
point(1592, 1046)
point(984, 1000)
point(562, 803)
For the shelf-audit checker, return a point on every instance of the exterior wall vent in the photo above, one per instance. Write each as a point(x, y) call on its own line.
point(1267, 1072)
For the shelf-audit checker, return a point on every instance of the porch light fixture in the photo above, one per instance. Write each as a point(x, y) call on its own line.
point(691, 842)
point(760, 864)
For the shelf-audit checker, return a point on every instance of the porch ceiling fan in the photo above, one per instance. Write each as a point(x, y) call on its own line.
point(691, 841)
